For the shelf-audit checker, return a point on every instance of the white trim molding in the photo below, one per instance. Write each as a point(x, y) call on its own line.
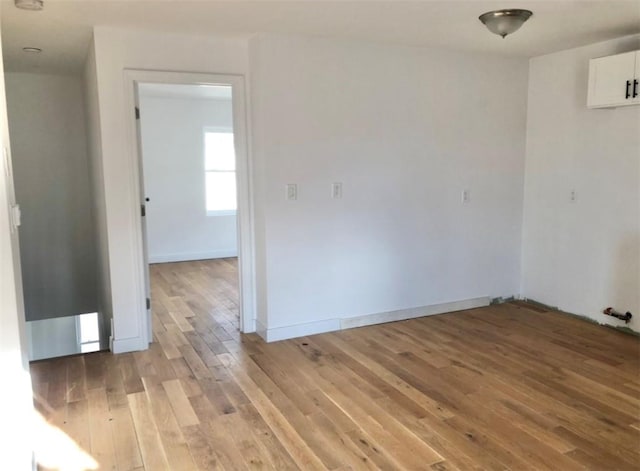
point(311, 328)
point(404, 314)
point(188, 256)
point(132, 344)
point(245, 207)
point(298, 330)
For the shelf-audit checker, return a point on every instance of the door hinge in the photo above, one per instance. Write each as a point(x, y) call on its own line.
point(148, 304)
point(143, 210)
point(137, 113)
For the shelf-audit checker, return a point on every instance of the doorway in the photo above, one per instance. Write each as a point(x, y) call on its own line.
point(51, 168)
point(190, 145)
point(188, 172)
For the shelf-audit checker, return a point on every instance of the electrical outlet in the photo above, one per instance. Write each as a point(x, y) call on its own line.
point(291, 191)
point(336, 190)
point(573, 196)
point(466, 196)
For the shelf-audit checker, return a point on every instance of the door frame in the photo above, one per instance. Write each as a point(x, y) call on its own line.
point(245, 219)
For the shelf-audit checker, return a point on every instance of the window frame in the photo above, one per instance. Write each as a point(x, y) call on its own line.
point(219, 130)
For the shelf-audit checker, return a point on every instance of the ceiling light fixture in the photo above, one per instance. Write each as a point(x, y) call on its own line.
point(35, 50)
point(503, 22)
point(34, 5)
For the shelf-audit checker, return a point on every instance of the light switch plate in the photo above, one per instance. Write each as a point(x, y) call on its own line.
point(291, 191)
point(16, 217)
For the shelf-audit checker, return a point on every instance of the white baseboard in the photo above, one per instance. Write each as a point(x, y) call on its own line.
point(330, 325)
point(300, 330)
point(189, 256)
point(261, 330)
point(132, 344)
point(403, 314)
point(251, 328)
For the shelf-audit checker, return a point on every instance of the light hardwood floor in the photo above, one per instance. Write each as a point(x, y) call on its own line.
point(504, 387)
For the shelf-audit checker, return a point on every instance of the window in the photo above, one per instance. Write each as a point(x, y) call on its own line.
point(220, 171)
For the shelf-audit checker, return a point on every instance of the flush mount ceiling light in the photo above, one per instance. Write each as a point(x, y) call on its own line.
point(35, 50)
point(30, 4)
point(503, 22)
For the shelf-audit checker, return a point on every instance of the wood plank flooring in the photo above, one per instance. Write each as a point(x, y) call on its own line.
point(504, 387)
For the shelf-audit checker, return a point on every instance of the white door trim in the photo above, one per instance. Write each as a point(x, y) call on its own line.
point(246, 266)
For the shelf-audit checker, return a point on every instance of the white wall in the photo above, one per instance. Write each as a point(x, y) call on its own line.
point(47, 126)
point(405, 130)
point(16, 406)
point(581, 256)
point(117, 50)
point(178, 227)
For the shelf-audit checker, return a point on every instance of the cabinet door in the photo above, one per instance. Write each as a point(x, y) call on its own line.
point(611, 80)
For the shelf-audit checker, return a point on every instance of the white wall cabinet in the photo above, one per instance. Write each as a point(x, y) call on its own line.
point(614, 80)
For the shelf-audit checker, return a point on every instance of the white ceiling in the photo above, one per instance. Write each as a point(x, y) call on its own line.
point(215, 92)
point(63, 28)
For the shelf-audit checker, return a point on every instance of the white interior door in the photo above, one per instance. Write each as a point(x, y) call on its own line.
point(143, 211)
